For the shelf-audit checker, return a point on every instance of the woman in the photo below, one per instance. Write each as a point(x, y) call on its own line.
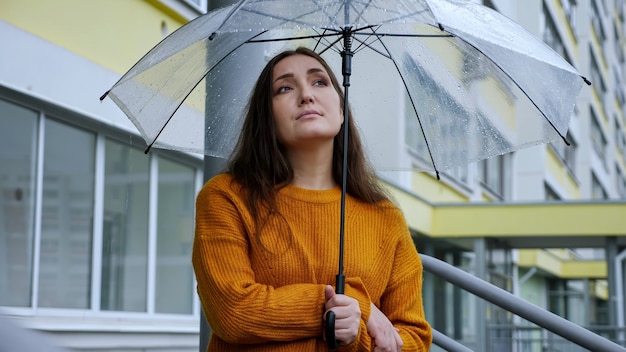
point(265, 249)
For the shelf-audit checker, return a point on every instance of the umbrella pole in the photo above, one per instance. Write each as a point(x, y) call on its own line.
point(340, 279)
point(346, 69)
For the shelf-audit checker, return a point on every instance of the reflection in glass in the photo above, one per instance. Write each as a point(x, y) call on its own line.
point(67, 217)
point(18, 146)
point(174, 275)
point(125, 229)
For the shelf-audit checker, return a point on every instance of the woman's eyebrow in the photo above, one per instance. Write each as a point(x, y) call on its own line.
point(286, 75)
point(309, 72)
point(315, 70)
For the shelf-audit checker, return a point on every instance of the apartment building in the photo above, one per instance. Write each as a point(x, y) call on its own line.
point(569, 275)
point(95, 236)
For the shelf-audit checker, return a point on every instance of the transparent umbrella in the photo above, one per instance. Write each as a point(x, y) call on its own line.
point(476, 83)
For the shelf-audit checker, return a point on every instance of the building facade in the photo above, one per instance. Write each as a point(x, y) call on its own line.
point(566, 275)
point(95, 236)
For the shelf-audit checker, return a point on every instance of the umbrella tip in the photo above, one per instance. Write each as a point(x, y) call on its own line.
point(567, 143)
point(441, 27)
point(104, 95)
point(212, 36)
point(438, 177)
point(586, 80)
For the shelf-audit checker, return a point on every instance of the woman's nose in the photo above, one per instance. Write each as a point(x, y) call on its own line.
point(306, 97)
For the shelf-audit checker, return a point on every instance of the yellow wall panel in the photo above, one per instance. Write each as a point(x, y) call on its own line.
point(565, 269)
point(112, 33)
point(567, 219)
point(559, 172)
point(418, 213)
point(434, 190)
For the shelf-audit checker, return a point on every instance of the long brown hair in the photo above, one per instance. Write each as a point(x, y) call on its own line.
point(259, 162)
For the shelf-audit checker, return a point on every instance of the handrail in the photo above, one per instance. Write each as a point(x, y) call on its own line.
point(448, 343)
point(518, 306)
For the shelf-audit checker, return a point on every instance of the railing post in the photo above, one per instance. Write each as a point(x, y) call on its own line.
point(428, 288)
point(610, 255)
point(480, 253)
point(618, 277)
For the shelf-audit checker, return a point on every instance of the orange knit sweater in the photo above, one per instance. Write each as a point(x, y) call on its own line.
point(266, 292)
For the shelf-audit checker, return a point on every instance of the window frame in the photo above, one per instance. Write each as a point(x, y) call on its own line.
point(46, 111)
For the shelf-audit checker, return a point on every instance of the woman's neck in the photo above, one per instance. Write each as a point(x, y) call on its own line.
point(312, 168)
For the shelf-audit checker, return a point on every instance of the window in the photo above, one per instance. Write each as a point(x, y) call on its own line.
point(18, 155)
point(619, 90)
point(174, 280)
point(452, 150)
point(124, 269)
point(198, 4)
point(66, 217)
point(569, 8)
point(598, 140)
point(550, 193)
point(567, 152)
point(92, 202)
point(596, 21)
point(551, 35)
point(619, 48)
point(491, 173)
point(620, 140)
point(620, 182)
point(597, 190)
point(596, 76)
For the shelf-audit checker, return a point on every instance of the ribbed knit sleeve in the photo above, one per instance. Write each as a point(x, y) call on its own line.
point(402, 300)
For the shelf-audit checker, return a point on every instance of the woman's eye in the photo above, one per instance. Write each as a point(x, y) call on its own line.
point(282, 89)
point(320, 82)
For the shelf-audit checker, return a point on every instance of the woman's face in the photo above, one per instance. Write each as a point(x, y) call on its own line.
point(305, 104)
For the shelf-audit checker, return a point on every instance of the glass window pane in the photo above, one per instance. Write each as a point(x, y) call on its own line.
point(174, 276)
point(18, 146)
point(67, 217)
point(125, 229)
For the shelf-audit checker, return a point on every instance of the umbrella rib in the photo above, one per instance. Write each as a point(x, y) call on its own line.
point(412, 104)
point(313, 36)
point(411, 35)
point(329, 44)
point(328, 15)
point(359, 14)
point(230, 14)
point(194, 86)
point(517, 84)
point(364, 43)
point(399, 16)
point(284, 19)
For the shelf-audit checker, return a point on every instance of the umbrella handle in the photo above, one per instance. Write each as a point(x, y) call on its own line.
point(329, 328)
point(329, 331)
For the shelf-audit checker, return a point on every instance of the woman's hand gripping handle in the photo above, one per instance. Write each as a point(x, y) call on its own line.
point(329, 328)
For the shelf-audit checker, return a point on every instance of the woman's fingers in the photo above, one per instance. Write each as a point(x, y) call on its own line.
point(385, 335)
point(347, 315)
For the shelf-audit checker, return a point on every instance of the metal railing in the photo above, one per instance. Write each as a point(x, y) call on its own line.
point(506, 300)
point(527, 337)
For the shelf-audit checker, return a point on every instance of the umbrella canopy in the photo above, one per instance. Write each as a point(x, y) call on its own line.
point(477, 84)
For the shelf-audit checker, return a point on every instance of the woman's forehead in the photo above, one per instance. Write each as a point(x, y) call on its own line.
point(297, 63)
